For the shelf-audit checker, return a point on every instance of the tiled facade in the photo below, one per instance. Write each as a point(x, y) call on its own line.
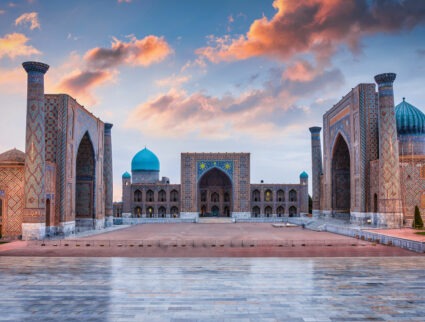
point(216, 184)
point(49, 192)
point(362, 177)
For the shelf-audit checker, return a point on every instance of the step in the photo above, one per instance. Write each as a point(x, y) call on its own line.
point(215, 220)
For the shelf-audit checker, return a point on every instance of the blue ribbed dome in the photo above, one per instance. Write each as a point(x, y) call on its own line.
point(126, 175)
point(145, 160)
point(410, 119)
point(303, 175)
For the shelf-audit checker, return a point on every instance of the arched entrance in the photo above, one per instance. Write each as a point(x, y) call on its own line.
point(215, 194)
point(341, 195)
point(85, 185)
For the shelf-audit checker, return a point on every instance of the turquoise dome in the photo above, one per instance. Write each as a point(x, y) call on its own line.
point(410, 119)
point(145, 160)
point(303, 175)
point(126, 175)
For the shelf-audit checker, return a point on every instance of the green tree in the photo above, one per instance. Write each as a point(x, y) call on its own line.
point(417, 220)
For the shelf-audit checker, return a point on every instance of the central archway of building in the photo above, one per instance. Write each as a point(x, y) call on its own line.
point(215, 196)
point(85, 186)
point(341, 194)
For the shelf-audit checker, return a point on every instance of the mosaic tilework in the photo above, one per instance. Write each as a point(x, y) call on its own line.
point(12, 184)
point(389, 184)
point(412, 187)
point(35, 144)
point(204, 166)
point(107, 170)
point(316, 159)
point(212, 289)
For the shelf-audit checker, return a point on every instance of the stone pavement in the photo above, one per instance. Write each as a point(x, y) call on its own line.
point(212, 289)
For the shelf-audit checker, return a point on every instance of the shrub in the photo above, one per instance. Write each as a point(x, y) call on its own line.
point(417, 220)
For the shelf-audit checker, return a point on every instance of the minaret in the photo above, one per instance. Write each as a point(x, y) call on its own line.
point(126, 195)
point(34, 216)
point(389, 200)
point(108, 175)
point(316, 161)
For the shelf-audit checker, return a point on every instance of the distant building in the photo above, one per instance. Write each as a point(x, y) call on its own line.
point(373, 158)
point(212, 184)
point(63, 183)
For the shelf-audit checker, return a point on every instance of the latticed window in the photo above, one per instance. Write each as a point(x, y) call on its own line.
point(149, 196)
point(256, 195)
point(292, 195)
point(281, 195)
point(174, 195)
point(215, 197)
point(162, 196)
point(137, 196)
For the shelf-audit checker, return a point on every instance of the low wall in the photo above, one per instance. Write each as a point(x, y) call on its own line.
point(135, 221)
point(412, 245)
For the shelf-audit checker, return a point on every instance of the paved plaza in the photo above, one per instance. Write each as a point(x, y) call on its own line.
point(211, 289)
point(205, 240)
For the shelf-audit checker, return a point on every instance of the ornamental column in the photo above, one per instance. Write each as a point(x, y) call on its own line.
point(316, 161)
point(34, 216)
point(107, 174)
point(389, 200)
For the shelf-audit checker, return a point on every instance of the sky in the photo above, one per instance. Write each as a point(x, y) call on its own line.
point(209, 76)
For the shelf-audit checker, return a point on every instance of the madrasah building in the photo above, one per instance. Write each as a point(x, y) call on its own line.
point(373, 166)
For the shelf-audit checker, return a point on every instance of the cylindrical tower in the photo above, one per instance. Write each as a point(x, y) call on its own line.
point(389, 200)
point(316, 161)
point(34, 218)
point(108, 175)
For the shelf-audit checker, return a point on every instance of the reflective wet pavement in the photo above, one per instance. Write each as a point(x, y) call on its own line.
point(212, 289)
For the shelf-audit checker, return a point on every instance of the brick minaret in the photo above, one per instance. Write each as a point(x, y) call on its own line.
point(316, 161)
point(107, 174)
point(389, 204)
point(34, 217)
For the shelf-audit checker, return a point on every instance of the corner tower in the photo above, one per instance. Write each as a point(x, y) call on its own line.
point(316, 162)
point(389, 200)
point(34, 216)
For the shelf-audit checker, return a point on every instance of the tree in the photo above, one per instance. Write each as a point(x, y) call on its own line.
point(417, 220)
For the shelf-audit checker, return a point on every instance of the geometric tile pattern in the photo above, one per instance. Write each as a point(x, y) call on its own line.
point(212, 289)
point(389, 177)
point(12, 183)
point(35, 142)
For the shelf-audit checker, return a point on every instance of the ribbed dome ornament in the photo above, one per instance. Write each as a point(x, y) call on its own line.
point(410, 119)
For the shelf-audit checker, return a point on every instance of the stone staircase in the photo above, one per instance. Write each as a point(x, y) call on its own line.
point(215, 220)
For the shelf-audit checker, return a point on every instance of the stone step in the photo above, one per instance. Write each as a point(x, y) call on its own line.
point(215, 220)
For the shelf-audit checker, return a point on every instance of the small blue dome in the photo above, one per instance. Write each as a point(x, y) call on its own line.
point(145, 160)
point(303, 175)
point(410, 119)
point(126, 175)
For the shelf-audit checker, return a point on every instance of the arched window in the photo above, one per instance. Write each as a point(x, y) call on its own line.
point(256, 211)
point(292, 195)
point(227, 211)
point(203, 196)
point(280, 211)
point(174, 211)
point(292, 211)
point(149, 212)
point(256, 195)
point(149, 196)
point(215, 197)
point(162, 196)
point(138, 212)
point(268, 211)
point(280, 195)
point(226, 197)
point(162, 211)
point(174, 195)
point(268, 195)
point(137, 196)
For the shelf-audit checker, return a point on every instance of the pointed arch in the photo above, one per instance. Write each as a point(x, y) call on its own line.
point(340, 173)
point(85, 186)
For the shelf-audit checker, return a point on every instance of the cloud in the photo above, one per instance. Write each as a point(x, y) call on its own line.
point(258, 113)
point(31, 18)
point(315, 26)
point(124, 1)
point(137, 52)
point(80, 84)
point(173, 81)
point(14, 45)
point(2, 12)
point(100, 65)
point(11, 80)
